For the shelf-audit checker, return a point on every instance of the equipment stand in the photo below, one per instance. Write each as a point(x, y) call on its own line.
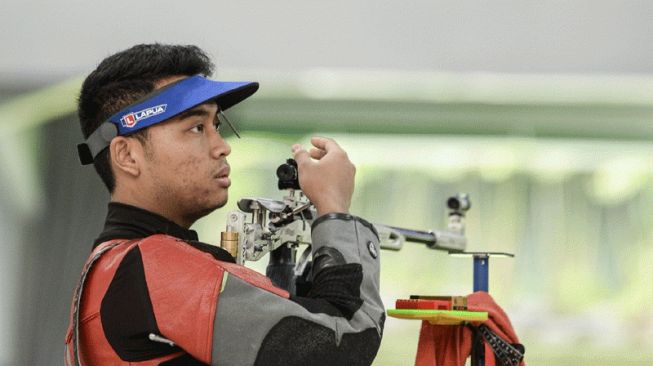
point(481, 279)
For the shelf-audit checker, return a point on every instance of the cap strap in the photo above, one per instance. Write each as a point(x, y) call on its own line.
point(96, 142)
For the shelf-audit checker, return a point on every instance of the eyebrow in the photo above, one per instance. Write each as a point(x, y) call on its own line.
point(197, 111)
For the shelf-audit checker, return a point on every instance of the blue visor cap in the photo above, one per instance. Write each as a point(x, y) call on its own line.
point(162, 105)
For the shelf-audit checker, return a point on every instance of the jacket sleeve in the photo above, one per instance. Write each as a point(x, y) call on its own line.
point(224, 314)
point(340, 322)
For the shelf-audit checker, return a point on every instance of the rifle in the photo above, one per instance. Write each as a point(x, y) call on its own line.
point(281, 227)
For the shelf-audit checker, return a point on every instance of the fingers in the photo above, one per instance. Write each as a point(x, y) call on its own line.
point(317, 154)
point(300, 155)
point(323, 146)
point(326, 176)
point(324, 143)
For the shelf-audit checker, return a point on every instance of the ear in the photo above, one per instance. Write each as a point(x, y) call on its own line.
point(126, 155)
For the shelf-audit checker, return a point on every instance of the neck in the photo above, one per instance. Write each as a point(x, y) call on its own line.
point(154, 206)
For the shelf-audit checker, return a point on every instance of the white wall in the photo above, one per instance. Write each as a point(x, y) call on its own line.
point(52, 39)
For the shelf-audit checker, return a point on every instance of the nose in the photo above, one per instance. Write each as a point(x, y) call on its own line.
point(219, 146)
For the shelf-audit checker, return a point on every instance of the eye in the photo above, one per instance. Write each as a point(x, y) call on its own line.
point(199, 128)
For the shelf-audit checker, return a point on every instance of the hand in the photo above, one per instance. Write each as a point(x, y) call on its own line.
point(328, 178)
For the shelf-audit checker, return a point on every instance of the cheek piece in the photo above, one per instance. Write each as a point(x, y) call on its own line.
point(164, 104)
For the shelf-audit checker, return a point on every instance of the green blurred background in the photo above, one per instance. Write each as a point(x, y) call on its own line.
point(540, 111)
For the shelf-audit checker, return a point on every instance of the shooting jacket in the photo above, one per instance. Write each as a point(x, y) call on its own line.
point(151, 294)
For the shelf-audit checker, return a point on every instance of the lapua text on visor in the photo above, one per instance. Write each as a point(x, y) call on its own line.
point(131, 119)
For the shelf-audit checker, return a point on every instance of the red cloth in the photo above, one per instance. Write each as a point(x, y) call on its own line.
point(451, 345)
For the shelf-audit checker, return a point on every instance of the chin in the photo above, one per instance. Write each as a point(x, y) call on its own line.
point(219, 203)
point(223, 200)
point(198, 212)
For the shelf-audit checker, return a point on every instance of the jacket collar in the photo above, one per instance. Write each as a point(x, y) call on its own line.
point(129, 222)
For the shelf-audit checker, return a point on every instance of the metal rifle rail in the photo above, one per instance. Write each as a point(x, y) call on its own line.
point(393, 238)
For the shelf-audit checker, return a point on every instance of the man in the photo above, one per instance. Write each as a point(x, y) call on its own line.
point(150, 293)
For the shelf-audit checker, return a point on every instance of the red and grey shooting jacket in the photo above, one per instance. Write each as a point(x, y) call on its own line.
point(151, 294)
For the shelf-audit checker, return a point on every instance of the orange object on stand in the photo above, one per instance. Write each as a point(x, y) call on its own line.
point(451, 345)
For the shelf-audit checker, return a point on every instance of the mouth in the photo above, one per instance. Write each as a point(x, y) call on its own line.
point(222, 177)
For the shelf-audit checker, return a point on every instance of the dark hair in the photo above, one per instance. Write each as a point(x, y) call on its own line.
point(123, 78)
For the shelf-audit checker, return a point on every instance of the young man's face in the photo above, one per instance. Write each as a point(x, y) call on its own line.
point(186, 168)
